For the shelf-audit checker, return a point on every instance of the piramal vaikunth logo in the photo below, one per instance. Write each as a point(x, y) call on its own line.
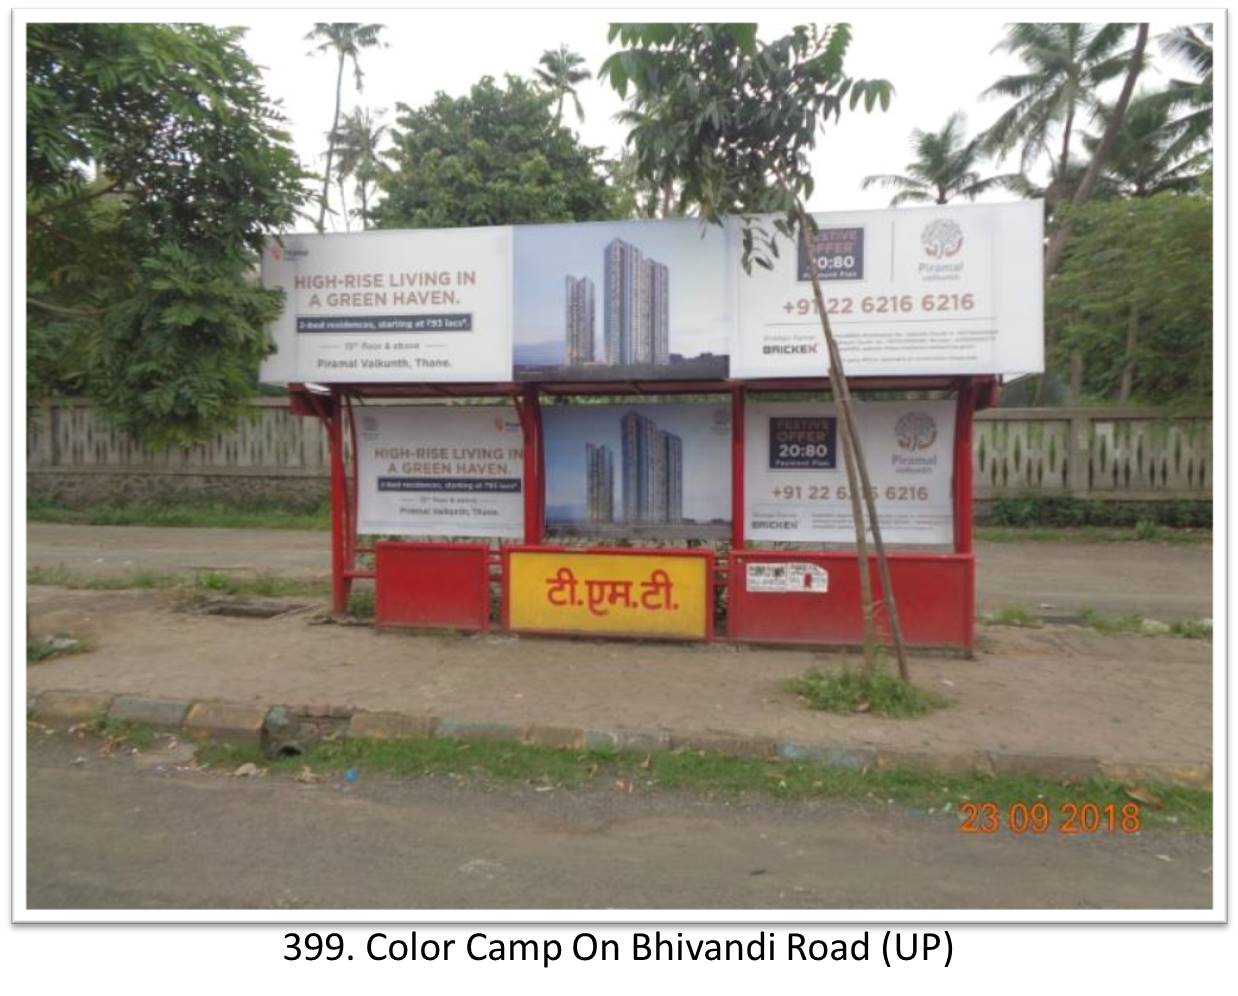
point(942, 238)
point(916, 431)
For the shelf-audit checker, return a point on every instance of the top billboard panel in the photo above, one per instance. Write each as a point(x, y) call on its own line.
point(910, 292)
point(431, 305)
point(626, 300)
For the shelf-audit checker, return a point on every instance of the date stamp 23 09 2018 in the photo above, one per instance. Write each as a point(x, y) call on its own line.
point(1039, 817)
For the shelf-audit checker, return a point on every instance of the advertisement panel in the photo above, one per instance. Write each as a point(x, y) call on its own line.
point(433, 470)
point(909, 446)
point(411, 306)
point(638, 470)
point(610, 593)
point(625, 300)
point(953, 289)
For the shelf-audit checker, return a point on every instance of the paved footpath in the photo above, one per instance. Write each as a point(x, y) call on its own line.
point(1157, 580)
point(1095, 702)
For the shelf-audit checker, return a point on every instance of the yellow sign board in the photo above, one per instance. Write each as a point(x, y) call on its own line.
point(624, 594)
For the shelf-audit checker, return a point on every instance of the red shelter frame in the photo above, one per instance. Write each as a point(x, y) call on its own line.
point(921, 605)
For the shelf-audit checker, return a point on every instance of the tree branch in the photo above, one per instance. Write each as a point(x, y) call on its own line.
point(55, 309)
point(73, 202)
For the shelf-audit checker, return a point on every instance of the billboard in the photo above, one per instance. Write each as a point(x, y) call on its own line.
point(436, 470)
point(667, 595)
point(401, 306)
point(638, 470)
point(626, 300)
point(795, 487)
point(945, 290)
point(953, 289)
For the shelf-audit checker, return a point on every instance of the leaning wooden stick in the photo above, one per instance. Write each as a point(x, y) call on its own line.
point(854, 454)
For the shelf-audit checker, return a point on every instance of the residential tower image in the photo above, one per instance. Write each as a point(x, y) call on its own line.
point(620, 301)
point(652, 471)
point(599, 484)
point(579, 320)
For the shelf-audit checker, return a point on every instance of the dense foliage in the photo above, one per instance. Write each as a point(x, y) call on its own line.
point(493, 157)
point(155, 166)
point(1134, 296)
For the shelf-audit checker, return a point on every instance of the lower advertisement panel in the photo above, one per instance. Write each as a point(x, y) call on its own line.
point(800, 597)
point(433, 585)
point(640, 593)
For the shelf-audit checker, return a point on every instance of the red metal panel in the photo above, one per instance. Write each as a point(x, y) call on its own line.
point(935, 593)
point(432, 584)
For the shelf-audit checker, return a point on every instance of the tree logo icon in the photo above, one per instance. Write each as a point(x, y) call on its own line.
point(916, 431)
point(942, 238)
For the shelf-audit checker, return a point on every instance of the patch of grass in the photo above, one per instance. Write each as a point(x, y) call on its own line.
point(1110, 625)
point(875, 691)
point(361, 604)
point(122, 732)
point(1191, 629)
point(178, 513)
point(709, 774)
point(1067, 510)
point(203, 583)
point(1090, 534)
point(1012, 615)
point(44, 648)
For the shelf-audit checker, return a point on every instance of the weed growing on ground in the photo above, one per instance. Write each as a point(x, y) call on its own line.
point(122, 732)
point(1110, 625)
point(877, 691)
point(191, 587)
point(43, 648)
point(361, 604)
point(706, 773)
point(178, 513)
point(1012, 615)
point(1191, 629)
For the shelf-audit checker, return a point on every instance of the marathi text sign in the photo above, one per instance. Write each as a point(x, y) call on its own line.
point(440, 471)
point(622, 594)
point(909, 447)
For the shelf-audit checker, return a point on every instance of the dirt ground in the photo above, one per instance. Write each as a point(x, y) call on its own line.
point(1158, 580)
point(1059, 690)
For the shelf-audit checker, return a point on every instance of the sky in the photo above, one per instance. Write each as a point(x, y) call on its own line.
point(939, 61)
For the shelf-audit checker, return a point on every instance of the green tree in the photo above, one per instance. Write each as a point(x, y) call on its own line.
point(746, 115)
point(560, 73)
point(155, 167)
point(1191, 98)
point(1133, 298)
point(346, 40)
point(1151, 153)
point(1066, 66)
point(493, 157)
point(945, 167)
point(357, 140)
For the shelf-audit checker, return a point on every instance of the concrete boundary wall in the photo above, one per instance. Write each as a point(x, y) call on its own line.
point(1118, 454)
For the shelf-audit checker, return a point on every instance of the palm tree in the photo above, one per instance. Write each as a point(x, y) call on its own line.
point(347, 41)
point(1066, 64)
point(1194, 44)
point(357, 139)
point(1152, 153)
point(560, 75)
point(944, 167)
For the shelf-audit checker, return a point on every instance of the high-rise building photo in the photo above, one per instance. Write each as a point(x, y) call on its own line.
point(621, 301)
point(647, 469)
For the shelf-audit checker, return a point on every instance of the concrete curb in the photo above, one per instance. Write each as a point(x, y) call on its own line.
point(292, 729)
